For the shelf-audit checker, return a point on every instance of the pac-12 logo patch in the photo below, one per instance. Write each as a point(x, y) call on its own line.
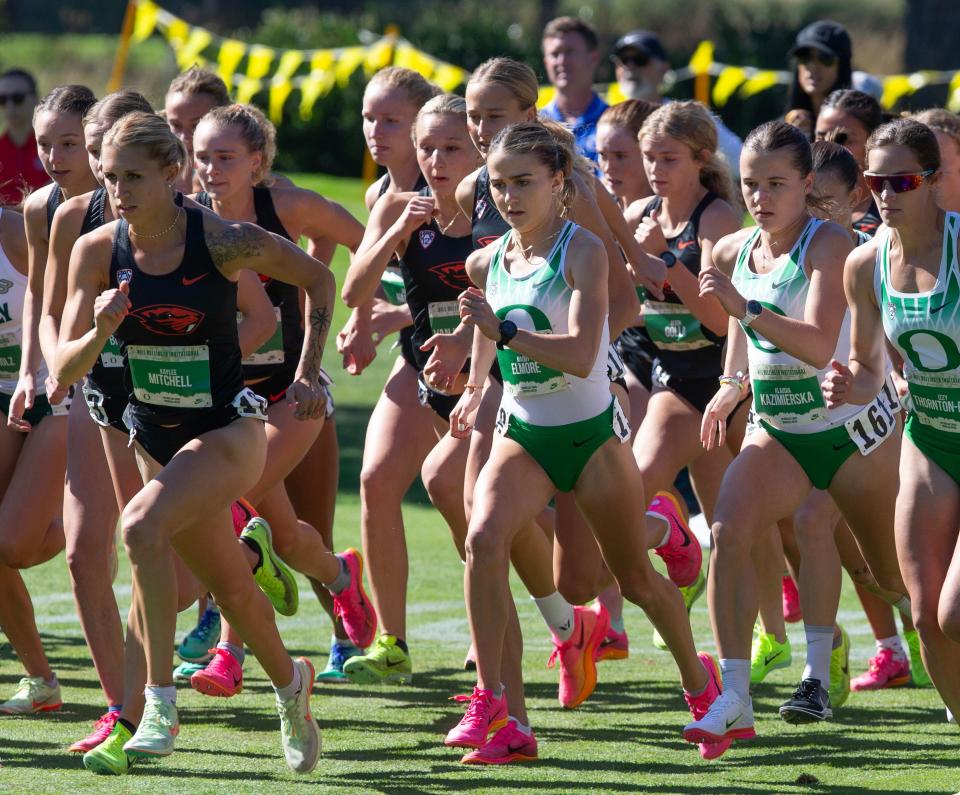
point(124, 275)
point(427, 236)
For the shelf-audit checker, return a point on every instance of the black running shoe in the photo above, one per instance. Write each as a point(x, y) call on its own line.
point(810, 703)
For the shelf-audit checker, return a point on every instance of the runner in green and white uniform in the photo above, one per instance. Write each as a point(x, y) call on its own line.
point(559, 429)
point(907, 284)
point(780, 284)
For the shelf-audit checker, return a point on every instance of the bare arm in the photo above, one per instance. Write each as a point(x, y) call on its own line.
point(466, 191)
point(259, 320)
point(34, 225)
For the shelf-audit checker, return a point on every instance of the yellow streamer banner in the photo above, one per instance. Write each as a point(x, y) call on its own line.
point(348, 63)
point(197, 41)
point(177, 32)
point(759, 82)
point(229, 57)
point(702, 58)
point(247, 89)
point(259, 61)
point(730, 79)
point(894, 88)
point(145, 22)
point(953, 93)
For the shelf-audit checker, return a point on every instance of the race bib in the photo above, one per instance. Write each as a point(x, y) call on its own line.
point(621, 425)
point(271, 352)
point(615, 365)
point(171, 376)
point(503, 421)
point(249, 404)
point(937, 406)
point(110, 356)
point(874, 423)
point(672, 327)
point(444, 316)
point(95, 405)
point(788, 395)
point(9, 357)
point(393, 287)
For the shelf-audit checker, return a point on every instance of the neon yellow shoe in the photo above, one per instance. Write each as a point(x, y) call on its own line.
point(109, 758)
point(690, 594)
point(385, 662)
point(917, 669)
point(767, 655)
point(840, 671)
point(272, 575)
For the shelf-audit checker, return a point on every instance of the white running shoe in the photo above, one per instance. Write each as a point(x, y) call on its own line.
point(729, 718)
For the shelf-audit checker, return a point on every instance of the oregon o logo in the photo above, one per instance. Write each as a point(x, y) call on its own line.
point(950, 356)
point(528, 318)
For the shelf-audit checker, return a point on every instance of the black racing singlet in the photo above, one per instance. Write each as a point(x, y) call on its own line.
point(434, 276)
point(871, 220)
point(685, 349)
point(488, 224)
point(54, 200)
point(283, 349)
point(106, 375)
point(179, 341)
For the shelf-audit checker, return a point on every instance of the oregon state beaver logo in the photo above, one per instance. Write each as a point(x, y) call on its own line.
point(452, 274)
point(486, 240)
point(168, 319)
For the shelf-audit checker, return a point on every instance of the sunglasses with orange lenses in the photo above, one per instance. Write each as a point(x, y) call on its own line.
point(899, 183)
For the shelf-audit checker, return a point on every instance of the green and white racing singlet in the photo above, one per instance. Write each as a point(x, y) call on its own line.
point(540, 302)
point(786, 391)
point(925, 329)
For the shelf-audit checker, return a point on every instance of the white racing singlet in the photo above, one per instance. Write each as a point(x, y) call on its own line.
point(786, 391)
point(925, 330)
point(540, 302)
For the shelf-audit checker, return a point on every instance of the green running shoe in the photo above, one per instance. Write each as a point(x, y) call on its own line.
point(767, 655)
point(840, 671)
point(273, 575)
point(156, 732)
point(195, 646)
point(109, 758)
point(184, 671)
point(917, 669)
point(690, 594)
point(340, 652)
point(299, 730)
point(386, 662)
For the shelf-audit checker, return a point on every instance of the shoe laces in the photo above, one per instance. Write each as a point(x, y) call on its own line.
point(883, 659)
point(205, 624)
point(808, 689)
point(28, 687)
point(153, 713)
point(107, 719)
point(722, 702)
point(478, 712)
point(221, 660)
point(338, 656)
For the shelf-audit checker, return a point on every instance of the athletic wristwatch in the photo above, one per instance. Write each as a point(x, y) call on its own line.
point(508, 330)
point(754, 308)
point(669, 259)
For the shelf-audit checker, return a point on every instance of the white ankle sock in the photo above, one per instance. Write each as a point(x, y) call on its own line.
point(166, 694)
point(291, 690)
point(558, 613)
point(736, 677)
point(819, 646)
point(523, 728)
point(894, 644)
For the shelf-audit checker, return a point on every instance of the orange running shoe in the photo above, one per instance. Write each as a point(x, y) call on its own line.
point(576, 655)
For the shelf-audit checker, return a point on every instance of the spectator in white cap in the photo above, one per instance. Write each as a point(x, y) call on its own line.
point(640, 62)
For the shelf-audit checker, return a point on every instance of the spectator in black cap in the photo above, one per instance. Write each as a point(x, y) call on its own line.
point(640, 62)
point(823, 56)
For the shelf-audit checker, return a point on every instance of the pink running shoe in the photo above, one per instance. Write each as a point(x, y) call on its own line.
point(507, 745)
point(485, 714)
point(241, 512)
point(883, 670)
point(577, 655)
point(682, 552)
point(615, 646)
point(352, 606)
point(101, 730)
point(222, 677)
point(791, 601)
point(700, 704)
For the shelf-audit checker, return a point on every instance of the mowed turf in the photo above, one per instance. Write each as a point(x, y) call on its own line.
point(625, 738)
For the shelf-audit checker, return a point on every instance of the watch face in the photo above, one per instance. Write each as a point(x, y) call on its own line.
point(669, 258)
point(754, 307)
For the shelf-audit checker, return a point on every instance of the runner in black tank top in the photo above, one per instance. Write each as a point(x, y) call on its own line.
point(434, 276)
point(488, 224)
point(180, 346)
point(691, 372)
point(870, 221)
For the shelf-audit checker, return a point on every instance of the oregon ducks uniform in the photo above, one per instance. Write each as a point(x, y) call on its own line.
point(559, 419)
point(787, 400)
point(925, 330)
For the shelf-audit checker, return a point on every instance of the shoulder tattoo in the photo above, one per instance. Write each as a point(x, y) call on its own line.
point(235, 242)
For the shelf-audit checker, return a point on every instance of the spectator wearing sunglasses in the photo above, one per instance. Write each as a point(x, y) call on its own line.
point(640, 62)
point(822, 56)
point(20, 168)
point(570, 56)
point(848, 117)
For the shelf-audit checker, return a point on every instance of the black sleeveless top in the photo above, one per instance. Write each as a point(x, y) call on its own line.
point(179, 342)
point(870, 222)
point(434, 275)
point(54, 200)
point(285, 297)
point(685, 348)
point(488, 224)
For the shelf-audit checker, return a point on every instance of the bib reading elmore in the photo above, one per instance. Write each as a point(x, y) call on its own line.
point(925, 329)
point(173, 376)
point(539, 302)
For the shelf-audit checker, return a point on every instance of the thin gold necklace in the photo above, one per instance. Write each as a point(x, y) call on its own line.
point(176, 219)
point(444, 229)
point(522, 251)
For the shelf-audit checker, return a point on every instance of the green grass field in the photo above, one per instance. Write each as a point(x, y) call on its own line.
point(625, 738)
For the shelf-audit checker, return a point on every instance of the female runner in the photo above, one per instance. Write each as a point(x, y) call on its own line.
point(901, 286)
point(946, 126)
point(162, 279)
point(786, 320)
point(234, 149)
point(559, 428)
